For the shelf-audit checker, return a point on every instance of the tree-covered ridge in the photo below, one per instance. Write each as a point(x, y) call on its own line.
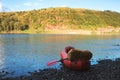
point(58, 18)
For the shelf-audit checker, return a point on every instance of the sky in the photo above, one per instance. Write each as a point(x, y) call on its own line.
point(23, 5)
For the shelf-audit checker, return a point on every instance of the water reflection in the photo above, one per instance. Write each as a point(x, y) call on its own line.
point(2, 56)
point(28, 52)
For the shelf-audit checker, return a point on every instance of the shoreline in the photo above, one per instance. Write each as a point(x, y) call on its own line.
point(99, 31)
point(105, 70)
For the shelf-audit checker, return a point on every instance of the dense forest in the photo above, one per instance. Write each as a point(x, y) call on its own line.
point(58, 19)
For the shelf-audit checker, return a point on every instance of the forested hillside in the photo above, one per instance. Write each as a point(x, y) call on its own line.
point(58, 19)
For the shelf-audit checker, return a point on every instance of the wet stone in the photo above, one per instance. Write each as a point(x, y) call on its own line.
point(104, 70)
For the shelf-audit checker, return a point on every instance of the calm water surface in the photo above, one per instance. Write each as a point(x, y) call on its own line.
point(21, 53)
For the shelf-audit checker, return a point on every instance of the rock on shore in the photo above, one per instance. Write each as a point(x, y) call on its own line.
point(104, 70)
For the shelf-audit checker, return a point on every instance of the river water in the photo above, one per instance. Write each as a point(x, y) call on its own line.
point(21, 53)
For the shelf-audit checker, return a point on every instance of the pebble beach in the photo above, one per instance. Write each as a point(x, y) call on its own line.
point(105, 70)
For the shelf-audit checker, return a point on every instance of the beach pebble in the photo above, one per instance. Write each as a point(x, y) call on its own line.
point(104, 70)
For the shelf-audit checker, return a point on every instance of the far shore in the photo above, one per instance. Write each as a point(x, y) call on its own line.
point(99, 31)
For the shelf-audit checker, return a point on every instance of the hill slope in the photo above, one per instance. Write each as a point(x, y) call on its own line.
point(58, 19)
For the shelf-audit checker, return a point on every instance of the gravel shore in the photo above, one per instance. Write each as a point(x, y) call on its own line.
point(104, 70)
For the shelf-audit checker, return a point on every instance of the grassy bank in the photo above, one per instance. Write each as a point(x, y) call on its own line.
point(55, 19)
point(99, 31)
